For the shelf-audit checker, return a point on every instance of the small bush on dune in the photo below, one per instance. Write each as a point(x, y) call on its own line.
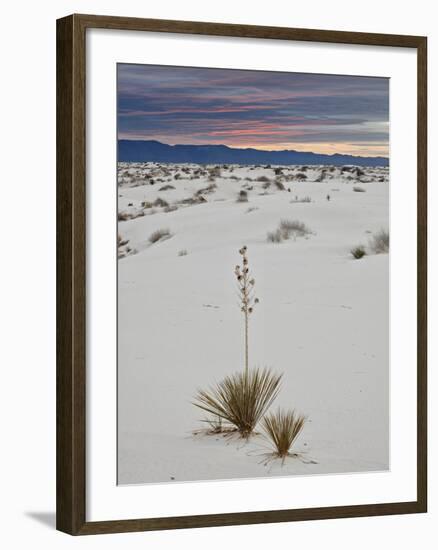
point(358, 252)
point(358, 189)
point(160, 202)
point(293, 227)
point(166, 188)
point(242, 196)
point(301, 176)
point(304, 199)
point(159, 234)
point(274, 236)
point(241, 399)
point(282, 429)
point(279, 184)
point(286, 229)
point(183, 252)
point(379, 243)
point(123, 216)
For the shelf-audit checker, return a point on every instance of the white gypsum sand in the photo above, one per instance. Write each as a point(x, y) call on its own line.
point(323, 317)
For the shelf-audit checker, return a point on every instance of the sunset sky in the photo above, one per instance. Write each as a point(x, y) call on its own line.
point(265, 110)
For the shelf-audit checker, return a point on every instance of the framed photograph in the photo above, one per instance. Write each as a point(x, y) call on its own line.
point(241, 274)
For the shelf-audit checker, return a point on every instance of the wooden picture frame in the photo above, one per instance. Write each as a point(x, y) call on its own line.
point(71, 273)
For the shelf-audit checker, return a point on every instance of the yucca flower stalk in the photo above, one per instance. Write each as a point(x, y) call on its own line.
point(247, 299)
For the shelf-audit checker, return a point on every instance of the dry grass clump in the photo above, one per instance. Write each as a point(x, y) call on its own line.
point(121, 241)
point(160, 202)
point(206, 190)
point(359, 189)
point(159, 234)
point(242, 196)
point(300, 176)
point(166, 188)
point(183, 252)
point(241, 399)
point(251, 209)
point(123, 216)
point(379, 243)
point(287, 229)
point(281, 429)
point(263, 179)
point(303, 199)
point(170, 208)
point(279, 184)
point(274, 236)
point(358, 252)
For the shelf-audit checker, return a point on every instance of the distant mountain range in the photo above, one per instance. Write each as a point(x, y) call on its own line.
point(155, 151)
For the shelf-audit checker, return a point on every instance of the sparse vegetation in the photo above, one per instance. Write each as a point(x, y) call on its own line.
point(282, 429)
point(358, 189)
point(358, 252)
point(166, 188)
point(379, 243)
point(183, 252)
point(274, 236)
point(286, 229)
point(123, 216)
point(159, 235)
point(279, 185)
point(252, 209)
point(241, 399)
point(160, 202)
point(242, 196)
point(303, 199)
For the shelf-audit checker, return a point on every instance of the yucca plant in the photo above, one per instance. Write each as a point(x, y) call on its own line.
point(241, 399)
point(281, 429)
point(247, 300)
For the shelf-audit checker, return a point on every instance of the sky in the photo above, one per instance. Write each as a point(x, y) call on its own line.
point(264, 110)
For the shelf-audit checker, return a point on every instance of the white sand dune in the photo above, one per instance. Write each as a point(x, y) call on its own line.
point(323, 319)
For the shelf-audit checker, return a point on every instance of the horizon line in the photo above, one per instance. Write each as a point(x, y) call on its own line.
point(252, 148)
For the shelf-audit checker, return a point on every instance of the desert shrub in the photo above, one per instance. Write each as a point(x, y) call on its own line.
point(170, 208)
point(123, 216)
point(166, 188)
point(358, 172)
point(282, 429)
point(279, 185)
point(263, 179)
point(205, 190)
point(286, 229)
point(251, 209)
point(159, 234)
point(241, 399)
point(121, 241)
point(321, 176)
point(293, 227)
point(160, 202)
point(278, 171)
point(274, 236)
point(301, 176)
point(358, 189)
point(242, 196)
point(358, 252)
point(215, 172)
point(183, 252)
point(379, 243)
point(303, 199)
